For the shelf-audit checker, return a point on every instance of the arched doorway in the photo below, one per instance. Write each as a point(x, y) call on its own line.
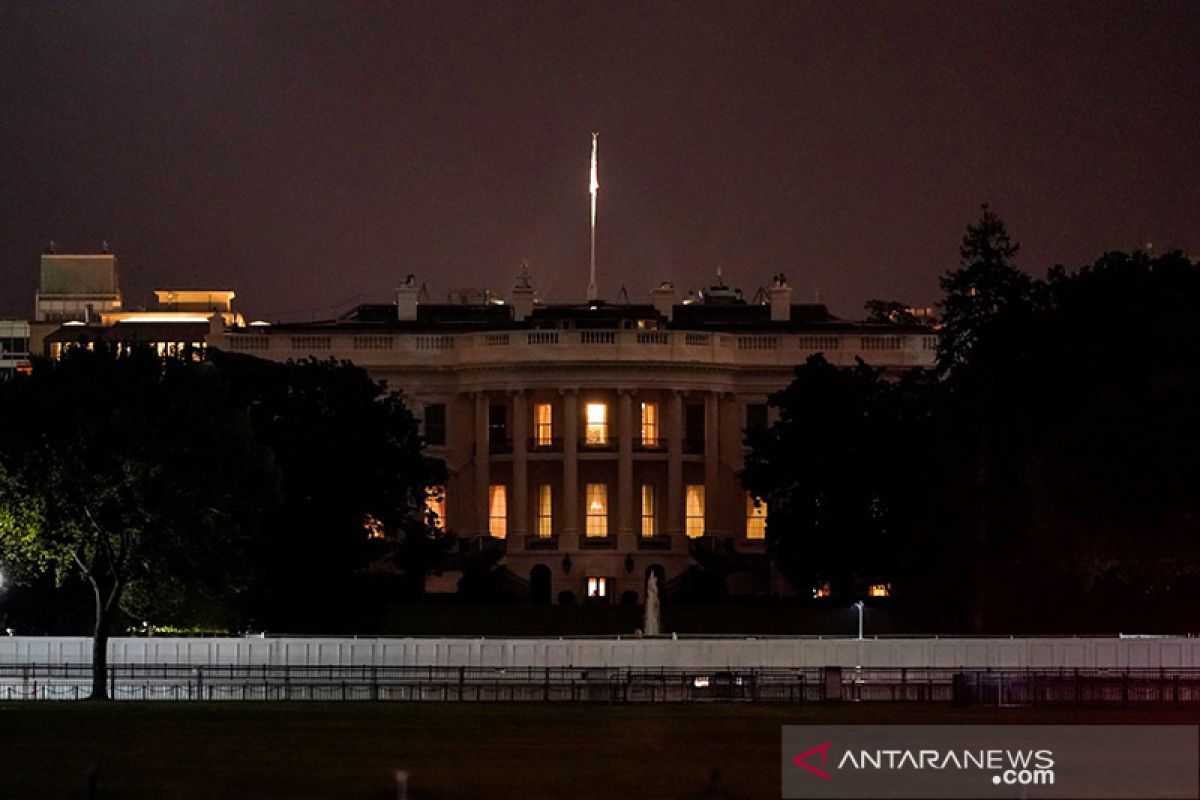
point(539, 584)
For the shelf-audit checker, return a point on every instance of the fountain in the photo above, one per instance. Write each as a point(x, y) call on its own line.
point(652, 625)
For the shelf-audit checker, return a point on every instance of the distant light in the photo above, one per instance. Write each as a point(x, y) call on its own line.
point(258, 323)
point(73, 322)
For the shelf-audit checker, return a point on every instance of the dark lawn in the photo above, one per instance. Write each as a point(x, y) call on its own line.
point(217, 750)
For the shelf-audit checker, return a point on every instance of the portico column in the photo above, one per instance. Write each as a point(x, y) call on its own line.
point(569, 540)
point(625, 528)
point(520, 487)
point(675, 466)
point(712, 447)
point(482, 455)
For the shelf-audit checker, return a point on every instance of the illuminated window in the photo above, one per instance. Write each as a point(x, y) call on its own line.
point(545, 511)
point(596, 431)
point(497, 511)
point(597, 509)
point(435, 503)
point(823, 590)
point(543, 425)
point(756, 518)
point(879, 590)
point(597, 587)
point(373, 527)
point(649, 424)
point(649, 526)
point(695, 510)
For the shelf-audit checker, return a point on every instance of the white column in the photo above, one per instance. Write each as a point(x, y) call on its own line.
point(625, 540)
point(675, 467)
point(569, 540)
point(482, 459)
point(712, 452)
point(520, 484)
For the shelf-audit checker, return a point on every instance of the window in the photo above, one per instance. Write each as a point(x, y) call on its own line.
point(756, 518)
point(693, 428)
point(497, 424)
point(597, 587)
point(545, 512)
point(596, 430)
point(649, 526)
point(597, 509)
point(543, 425)
point(435, 424)
point(497, 511)
point(695, 510)
point(373, 527)
point(756, 417)
point(879, 590)
point(649, 424)
point(435, 503)
point(822, 590)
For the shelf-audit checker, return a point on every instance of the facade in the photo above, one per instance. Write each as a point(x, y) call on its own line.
point(593, 444)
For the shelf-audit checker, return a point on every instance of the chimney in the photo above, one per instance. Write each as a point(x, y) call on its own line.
point(522, 295)
point(780, 297)
point(406, 300)
point(663, 297)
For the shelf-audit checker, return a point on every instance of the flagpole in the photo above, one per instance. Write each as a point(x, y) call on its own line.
point(593, 187)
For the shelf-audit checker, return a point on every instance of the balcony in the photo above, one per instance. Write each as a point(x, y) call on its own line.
point(659, 541)
point(598, 542)
point(607, 445)
point(650, 445)
point(535, 542)
point(552, 445)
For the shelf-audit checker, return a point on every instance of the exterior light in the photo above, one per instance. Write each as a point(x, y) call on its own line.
point(566, 563)
point(859, 606)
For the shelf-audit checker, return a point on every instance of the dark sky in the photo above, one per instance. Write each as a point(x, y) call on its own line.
point(312, 154)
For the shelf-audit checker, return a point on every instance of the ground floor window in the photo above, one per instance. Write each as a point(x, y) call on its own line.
point(649, 509)
point(545, 512)
point(597, 509)
point(435, 503)
point(695, 510)
point(756, 518)
point(498, 511)
point(597, 587)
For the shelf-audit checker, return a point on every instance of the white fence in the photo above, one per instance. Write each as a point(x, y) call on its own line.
point(749, 652)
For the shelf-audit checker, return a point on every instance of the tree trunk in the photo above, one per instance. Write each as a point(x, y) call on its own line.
point(106, 603)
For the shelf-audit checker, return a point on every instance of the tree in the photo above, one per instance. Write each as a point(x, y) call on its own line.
point(352, 468)
point(841, 473)
point(985, 284)
point(137, 473)
point(889, 311)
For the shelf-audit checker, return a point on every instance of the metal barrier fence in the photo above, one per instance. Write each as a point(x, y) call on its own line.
point(1019, 687)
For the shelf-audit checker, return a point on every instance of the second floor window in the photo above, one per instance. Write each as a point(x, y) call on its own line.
point(435, 424)
point(649, 424)
point(596, 429)
point(543, 425)
point(498, 424)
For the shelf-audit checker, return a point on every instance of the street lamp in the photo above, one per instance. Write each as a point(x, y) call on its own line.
point(859, 606)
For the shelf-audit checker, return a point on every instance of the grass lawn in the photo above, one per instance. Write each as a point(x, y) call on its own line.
point(267, 750)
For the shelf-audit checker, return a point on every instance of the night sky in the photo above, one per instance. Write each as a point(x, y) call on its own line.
point(310, 155)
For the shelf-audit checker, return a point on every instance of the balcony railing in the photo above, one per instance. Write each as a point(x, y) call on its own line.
point(650, 444)
point(608, 444)
point(551, 445)
point(693, 446)
point(659, 541)
point(497, 445)
point(535, 542)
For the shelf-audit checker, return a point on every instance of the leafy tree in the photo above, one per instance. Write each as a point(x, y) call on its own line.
point(841, 474)
point(136, 473)
point(352, 466)
point(889, 311)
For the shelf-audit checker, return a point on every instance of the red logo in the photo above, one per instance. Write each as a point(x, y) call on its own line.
point(801, 760)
